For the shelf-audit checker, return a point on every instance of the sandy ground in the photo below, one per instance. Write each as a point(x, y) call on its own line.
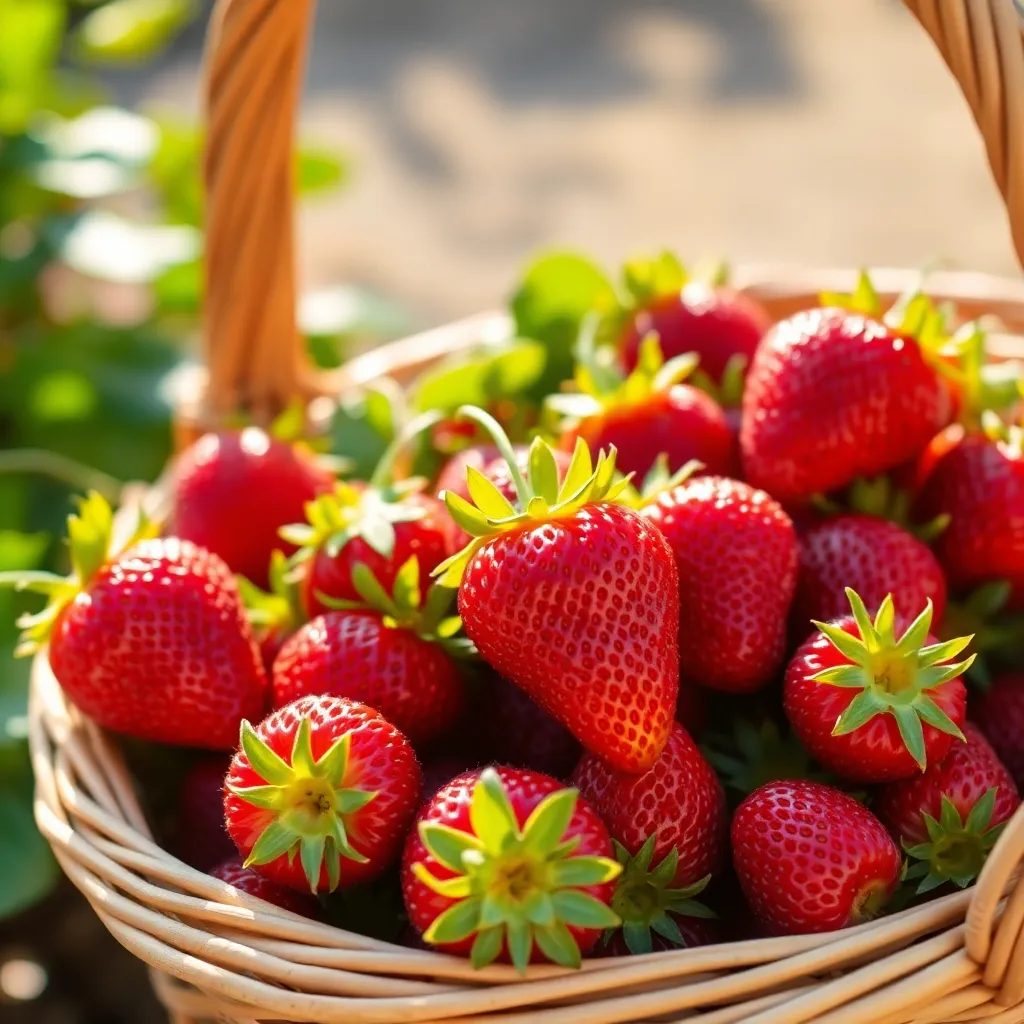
point(482, 130)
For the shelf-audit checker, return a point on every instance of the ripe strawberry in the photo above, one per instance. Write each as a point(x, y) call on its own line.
point(951, 816)
point(572, 597)
point(152, 642)
point(977, 480)
point(679, 802)
point(234, 872)
point(736, 555)
point(325, 778)
point(648, 412)
point(871, 707)
point(811, 859)
point(999, 712)
point(200, 838)
point(872, 557)
point(835, 394)
point(507, 863)
point(391, 652)
point(233, 491)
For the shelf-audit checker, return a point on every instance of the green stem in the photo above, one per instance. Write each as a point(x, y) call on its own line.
point(382, 475)
point(504, 446)
point(52, 464)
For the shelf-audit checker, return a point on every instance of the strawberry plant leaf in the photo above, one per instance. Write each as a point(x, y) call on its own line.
point(583, 910)
point(520, 945)
point(446, 844)
point(558, 945)
point(456, 923)
point(909, 725)
point(981, 813)
point(577, 872)
point(486, 946)
point(490, 812)
point(547, 823)
point(264, 761)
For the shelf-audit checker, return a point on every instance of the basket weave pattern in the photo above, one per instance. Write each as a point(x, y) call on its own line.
point(218, 954)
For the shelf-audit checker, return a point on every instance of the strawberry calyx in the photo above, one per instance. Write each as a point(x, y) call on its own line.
point(1009, 436)
point(894, 676)
point(646, 903)
point(647, 279)
point(310, 803)
point(881, 498)
point(278, 609)
point(90, 546)
point(514, 886)
point(546, 496)
point(659, 480)
point(406, 607)
point(956, 849)
point(996, 631)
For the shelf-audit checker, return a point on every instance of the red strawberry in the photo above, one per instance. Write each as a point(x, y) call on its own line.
point(679, 802)
point(152, 642)
point(329, 780)
point(951, 816)
point(572, 598)
point(200, 838)
point(390, 652)
point(833, 395)
point(234, 872)
point(999, 711)
point(736, 554)
point(871, 556)
point(977, 480)
point(811, 859)
point(233, 491)
point(506, 863)
point(871, 707)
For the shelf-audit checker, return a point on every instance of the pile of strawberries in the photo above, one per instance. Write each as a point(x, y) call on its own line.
point(686, 663)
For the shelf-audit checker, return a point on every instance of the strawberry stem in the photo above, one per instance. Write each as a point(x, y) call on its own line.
point(501, 441)
point(76, 475)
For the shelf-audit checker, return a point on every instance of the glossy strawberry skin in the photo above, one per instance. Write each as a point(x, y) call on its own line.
point(251, 882)
point(736, 556)
point(979, 484)
point(413, 683)
point(684, 422)
point(381, 761)
point(680, 800)
point(579, 613)
point(450, 806)
point(200, 838)
point(875, 752)
point(158, 647)
point(430, 538)
point(807, 855)
point(716, 323)
point(875, 558)
point(233, 491)
point(832, 396)
point(999, 712)
point(964, 776)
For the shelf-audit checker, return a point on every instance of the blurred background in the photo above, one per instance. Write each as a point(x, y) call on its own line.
point(443, 143)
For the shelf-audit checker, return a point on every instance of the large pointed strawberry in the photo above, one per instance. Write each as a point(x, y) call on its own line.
point(233, 491)
point(394, 652)
point(838, 393)
point(152, 642)
point(736, 554)
point(321, 794)
point(951, 816)
point(506, 863)
point(874, 707)
point(574, 598)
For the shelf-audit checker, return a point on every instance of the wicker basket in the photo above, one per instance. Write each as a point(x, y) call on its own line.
point(218, 954)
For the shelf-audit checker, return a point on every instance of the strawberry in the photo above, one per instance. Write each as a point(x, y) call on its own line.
point(811, 859)
point(200, 838)
point(573, 598)
point(233, 491)
point(234, 872)
point(679, 802)
point(999, 712)
point(152, 642)
point(328, 779)
point(391, 652)
point(648, 412)
point(871, 707)
point(977, 480)
point(951, 816)
point(834, 394)
point(736, 555)
point(506, 863)
point(872, 557)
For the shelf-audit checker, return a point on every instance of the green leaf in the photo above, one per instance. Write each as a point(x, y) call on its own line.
point(547, 824)
point(538, 909)
point(458, 922)
point(352, 800)
point(859, 712)
point(447, 845)
point(582, 910)
point(637, 936)
point(558, 945)
point(320, 170)
point(486, 946)
point(30, 37)
point(333, 766)
point(666, 927)
point(303, 762)
point(267, 765)
point(520, 945)
point(274, 841)
point(490, 812)
point(577, 872)
point(27, 867)
point(847, 645)
point(487, 498)
point(912, 734)
point(311, 853)
point(131, 31)
point(267, 798)
point(981, 813)
point(543, 471)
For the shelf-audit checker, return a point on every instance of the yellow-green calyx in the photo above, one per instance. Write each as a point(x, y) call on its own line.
point(280, 608)
point(658, 481)
point(956, 849)
point(90, 547)
point(645, 902)
point(406, 608)
point(513, 886)
point(894, 676)
point(646, 279)
point(309, 803)
point(541, 496)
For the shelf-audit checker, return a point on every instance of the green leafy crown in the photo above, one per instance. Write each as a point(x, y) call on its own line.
point(646, 279)
point(279, 608)
point(512, 886)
